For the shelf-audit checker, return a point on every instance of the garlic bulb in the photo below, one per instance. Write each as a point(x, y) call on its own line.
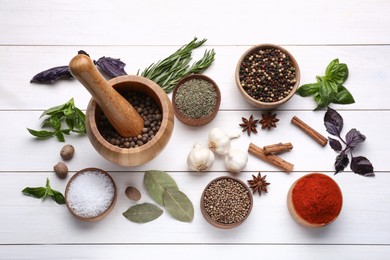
point(236, 160)
point(200, 158)
point(219, 141)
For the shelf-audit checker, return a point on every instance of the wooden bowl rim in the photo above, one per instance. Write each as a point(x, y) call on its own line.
point(104, 213)
point(219, 224)
point(258, 103)
point(202, 120)
point(295, 214)
point(164, 112)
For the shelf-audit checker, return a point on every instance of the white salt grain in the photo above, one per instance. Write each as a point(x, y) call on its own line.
point(90, 194)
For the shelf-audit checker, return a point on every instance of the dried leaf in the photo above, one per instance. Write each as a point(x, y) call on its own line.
point(143, 213)
point(156, 182)
point(178, 205)
point(354, 137)
point(361, 165)
point(51, 75)
point(335, 144)
point(342, 161)
point(113, 67)
point(333, 122)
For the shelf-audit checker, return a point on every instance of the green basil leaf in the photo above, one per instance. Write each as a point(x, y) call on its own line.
point(66, 131)
point(70, 123)
point(308, 89)
point(337, 72)
point(178, 205)
point(60, 136)
point(58, 197)
point(143, 213)
point(54, 110)
point(36, 192)
point(55, 122)
point(41, 134)
point(327, 93)
point(344, 96)
point(156, 182)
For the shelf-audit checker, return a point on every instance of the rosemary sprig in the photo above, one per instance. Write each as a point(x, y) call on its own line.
point(167, 72)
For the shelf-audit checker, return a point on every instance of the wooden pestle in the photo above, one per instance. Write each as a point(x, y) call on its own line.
point(121, 114)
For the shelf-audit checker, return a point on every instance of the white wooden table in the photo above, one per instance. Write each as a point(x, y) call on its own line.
point(37, 35)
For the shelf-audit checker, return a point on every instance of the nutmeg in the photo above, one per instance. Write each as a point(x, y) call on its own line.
point(61, 170)
point(67, 152)
point(133, 193)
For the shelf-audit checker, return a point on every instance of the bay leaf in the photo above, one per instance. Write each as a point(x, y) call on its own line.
point(143, 213)
point(156, 182)
point(178, 205)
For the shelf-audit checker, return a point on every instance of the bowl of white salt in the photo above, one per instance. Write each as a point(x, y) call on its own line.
point(90, 194)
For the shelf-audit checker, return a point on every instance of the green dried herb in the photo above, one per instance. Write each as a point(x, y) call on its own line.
point(163, 189)
point(329, 89)
point(167, 72)
point(156, 182)
point(178, 205)
point(44, 192)
point(68, 112)
point(143, 213)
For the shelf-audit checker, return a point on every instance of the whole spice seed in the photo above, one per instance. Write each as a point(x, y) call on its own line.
point(133, 193)
point(150, 112)
point(249, 125)
point(61, 170)
point(196, 98)
point(67, 152)
point(227, 201)
point(267, 75)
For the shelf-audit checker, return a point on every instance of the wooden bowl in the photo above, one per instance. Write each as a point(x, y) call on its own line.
point(146, 152)
point(301, 220)
point(102, 214)
point(253, 101)
point(220, 224)
point(196, 121)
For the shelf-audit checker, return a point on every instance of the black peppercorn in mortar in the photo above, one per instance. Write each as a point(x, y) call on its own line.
point(150, 112)
point(267, 75)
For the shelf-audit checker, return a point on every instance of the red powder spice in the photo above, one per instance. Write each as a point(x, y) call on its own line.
point(317, 198)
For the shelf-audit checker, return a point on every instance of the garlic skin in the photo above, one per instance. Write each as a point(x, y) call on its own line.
point(236, 160)
point(200, 158)
point(219, 141)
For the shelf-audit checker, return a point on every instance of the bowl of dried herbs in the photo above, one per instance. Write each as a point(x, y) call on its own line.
point(267, 75)
point(196, 100)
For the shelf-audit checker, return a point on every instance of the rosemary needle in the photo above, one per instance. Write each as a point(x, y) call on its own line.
point(167, 72)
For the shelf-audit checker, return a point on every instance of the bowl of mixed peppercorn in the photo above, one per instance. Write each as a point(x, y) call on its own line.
point(267, 76)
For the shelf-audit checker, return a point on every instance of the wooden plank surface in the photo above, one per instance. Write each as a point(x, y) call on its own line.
point(37, 35)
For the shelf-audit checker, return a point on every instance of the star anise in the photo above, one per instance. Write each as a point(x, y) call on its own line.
point(268, 120)
point(258, 184)
point(249, 125)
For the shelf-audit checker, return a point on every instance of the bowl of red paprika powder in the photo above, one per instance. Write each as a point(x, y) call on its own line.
point(315, 200)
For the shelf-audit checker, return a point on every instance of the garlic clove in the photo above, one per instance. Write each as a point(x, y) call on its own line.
point(200, 158)
point(219, 141)
point(236, 160)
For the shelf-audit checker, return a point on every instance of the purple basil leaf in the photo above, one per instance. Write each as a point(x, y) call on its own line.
point(82, 52)
point(341, 162)
point(354, 137)
point(361, 165)
point(113, 67)
point(335, 144)
point(333, 122)
point(51, 75)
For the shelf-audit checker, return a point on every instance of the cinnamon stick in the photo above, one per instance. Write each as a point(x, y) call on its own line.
point(271, 158)
point(322, 140)
point(277, 148)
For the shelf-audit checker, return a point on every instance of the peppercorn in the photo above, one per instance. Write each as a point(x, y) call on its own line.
point(267, 75)
point(150, 112)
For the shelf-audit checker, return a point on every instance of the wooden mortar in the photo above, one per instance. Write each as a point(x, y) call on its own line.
point(121, 114)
